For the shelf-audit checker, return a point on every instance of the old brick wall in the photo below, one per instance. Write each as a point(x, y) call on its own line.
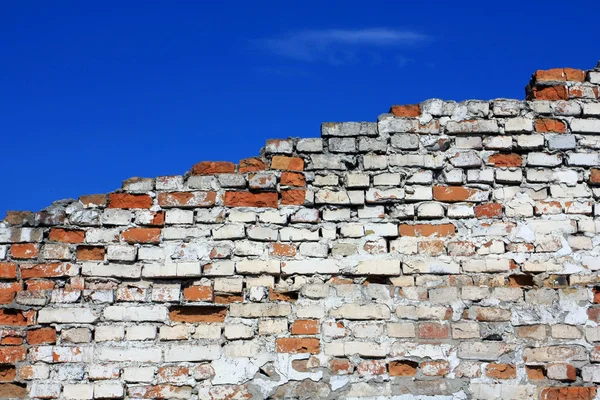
point(447, 251)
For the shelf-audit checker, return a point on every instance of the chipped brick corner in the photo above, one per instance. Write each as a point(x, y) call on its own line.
point(447, 251)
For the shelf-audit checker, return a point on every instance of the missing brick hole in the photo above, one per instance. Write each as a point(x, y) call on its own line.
point(194, 314)
point(520, 280)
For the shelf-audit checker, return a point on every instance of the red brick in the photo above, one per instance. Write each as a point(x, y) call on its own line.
point(53, 270)
point(213, 168)
point(305, 327)
point(451, 194)
point(298, 345)
point(12, 354)
point(8, 270)
point(372, 367)
point(98, 200)
point(568, 393)
point(287, 163)
point(247, 199)
point(198, 293)
point(427, 230)
point(292, 179)
point(282, 249)
point(560, 75)
point(66, 235)
point(488, 210)
point(403, 368)
point(24, 250)
point(501, 371)
point(433, 330)
point(128, 200)
point(90, 253)
point(251, 165)
point(505, 160)
point(13, 391)
point(406, 111)
point(341, 366)
point(41, 336)
point(141, 235)
point(293, 197)
point(195, 314)
point(544, 125)
point(552, 93)
point(187, 199)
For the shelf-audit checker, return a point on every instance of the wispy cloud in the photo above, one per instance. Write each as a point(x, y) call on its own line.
point(340, 46)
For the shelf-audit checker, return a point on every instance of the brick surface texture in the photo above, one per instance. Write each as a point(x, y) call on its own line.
point(450, 250)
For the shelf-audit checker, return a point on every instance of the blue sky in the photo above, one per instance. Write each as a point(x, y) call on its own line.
point(93, 93)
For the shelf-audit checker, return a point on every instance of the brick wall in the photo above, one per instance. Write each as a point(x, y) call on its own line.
point(447, 251)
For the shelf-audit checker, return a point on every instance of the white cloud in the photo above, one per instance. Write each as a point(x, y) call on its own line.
point(339, 46)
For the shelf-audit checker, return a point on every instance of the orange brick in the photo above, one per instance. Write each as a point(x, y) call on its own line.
point(292, 179)
point(247, 199)
point(98, 200)
point(39, 284)
point(66, 235)
point(341, 366)
point(41, 336)
point(544, 125)
point(8, 373)
point(488, 210)
point(51, 270)
point(505, 160)
point(251, 165)
point(8, 291)
point(403, 368)
point(406, 111)
point(141, 235)
point(298, 345)
point(213, 168)
point(427, 230)
point(452, 194)
point(282, 249)
point(568, 393)
point(90, 253)
point(595, 176)
point(12, 354)
point(195, 314)
point(501, 371)
point(293, 197)
point(128, 200)
point(187, 199)
point(287, 163)
point(305, 327)
point(8, 270)
point(560, 75)
point(198, 293)
point(552, 93)
point(24, 250)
